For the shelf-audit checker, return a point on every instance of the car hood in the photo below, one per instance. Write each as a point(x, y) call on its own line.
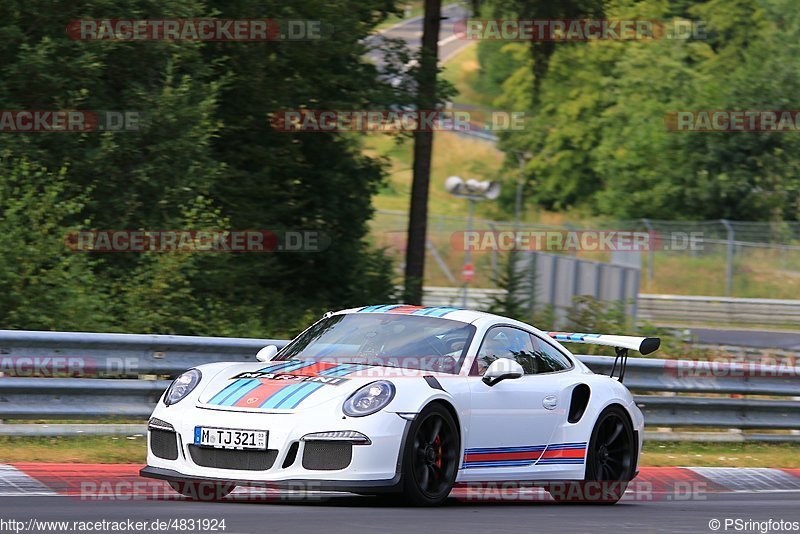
point(289, 385)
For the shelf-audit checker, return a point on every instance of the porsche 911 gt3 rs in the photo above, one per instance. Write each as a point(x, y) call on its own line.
point(402, 399)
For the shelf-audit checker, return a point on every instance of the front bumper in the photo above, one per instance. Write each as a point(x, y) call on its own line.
point(374, 467)
point(353, 486)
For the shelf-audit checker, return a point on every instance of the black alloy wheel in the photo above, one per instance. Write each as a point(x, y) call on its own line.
point(430, 459)
point(610, 462)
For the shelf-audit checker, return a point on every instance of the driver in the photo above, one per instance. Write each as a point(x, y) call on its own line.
point(505, 343)
point(493, 348)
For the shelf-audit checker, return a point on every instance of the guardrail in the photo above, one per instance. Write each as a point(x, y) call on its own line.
point(672, 310)
point(477, 299)
point(666, 390)
point(78, 354)
point(695, 310)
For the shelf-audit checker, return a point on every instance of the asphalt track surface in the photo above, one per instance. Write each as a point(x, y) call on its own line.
point(346, 514)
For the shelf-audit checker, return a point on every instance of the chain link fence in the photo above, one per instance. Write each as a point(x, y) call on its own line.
point(715, 258)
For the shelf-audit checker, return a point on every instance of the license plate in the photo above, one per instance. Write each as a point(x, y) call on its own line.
point(229, 438)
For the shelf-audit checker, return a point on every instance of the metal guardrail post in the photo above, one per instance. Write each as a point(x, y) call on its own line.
point(495, 253)
point(650, 253)
point(729, 257)
point(468, 252)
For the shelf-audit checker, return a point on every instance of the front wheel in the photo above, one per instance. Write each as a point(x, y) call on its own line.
point(430, 457)
point(610, 462)
point(203, 491)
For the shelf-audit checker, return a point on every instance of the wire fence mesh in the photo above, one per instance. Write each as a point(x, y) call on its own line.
point(718, 258)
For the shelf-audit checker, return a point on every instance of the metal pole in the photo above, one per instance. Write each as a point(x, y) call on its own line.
point(650, 253)
point(522, 157)
point(729, 259)
point(495, 263)
point(468, 252)
point(518, 197)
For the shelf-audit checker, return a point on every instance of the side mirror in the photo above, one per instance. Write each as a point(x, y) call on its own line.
point(267, 353)
point(501, 369)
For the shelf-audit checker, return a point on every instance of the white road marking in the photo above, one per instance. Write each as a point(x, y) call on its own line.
point(15, 482)
point(750, 479)
point(448, 40)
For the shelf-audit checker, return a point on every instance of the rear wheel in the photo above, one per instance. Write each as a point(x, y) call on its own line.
point(203, 491)
point(609, 462)
point(430, 457)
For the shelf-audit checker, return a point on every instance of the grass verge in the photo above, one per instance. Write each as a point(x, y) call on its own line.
point(107, 449)
point(452, 155)
point(749, 454)
point(74, 449)
point(462, 70)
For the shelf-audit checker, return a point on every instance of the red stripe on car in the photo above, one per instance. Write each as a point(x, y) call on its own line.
point(499, 456)
point(564, 453)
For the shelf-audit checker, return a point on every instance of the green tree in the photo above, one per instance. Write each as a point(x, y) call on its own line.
point(599, 136)
point(207, 158)
point(517, 283)
point(44, 282)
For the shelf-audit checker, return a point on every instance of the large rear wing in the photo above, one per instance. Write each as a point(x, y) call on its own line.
point(643, 345)
point(621, 344)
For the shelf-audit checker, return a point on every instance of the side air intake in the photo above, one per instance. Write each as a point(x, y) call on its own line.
point(578, 402)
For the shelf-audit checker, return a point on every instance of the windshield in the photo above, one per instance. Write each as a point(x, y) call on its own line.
point(405, 341)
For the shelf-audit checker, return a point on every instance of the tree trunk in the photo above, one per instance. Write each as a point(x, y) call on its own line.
point(423, 148)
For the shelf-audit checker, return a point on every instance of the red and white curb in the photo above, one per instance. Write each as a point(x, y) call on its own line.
point(122, 482)
point(16, 482)
point(752, 479)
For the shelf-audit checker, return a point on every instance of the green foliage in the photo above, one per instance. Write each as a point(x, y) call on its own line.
point(598, 135)
point(43, 282)
point(497, 64)
point(519, 299)
point(588, 314)
point(206, 158)
point(516, 283)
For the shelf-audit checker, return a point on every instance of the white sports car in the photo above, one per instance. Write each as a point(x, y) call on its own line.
point(402, 399)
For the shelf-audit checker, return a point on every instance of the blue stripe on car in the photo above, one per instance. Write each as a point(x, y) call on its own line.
point(278, 399)
point(252, 383)
point(230, 388)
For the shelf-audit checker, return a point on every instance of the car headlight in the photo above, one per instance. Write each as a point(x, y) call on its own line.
point(182, 386)
point(369, 399)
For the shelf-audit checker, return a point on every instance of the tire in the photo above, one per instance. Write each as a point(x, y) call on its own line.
point(203, 491)
point(610, 462)
point(430, 457)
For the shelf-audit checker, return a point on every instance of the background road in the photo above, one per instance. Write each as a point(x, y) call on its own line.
point(410, 31)
point(762, 339)
point(361, 514)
